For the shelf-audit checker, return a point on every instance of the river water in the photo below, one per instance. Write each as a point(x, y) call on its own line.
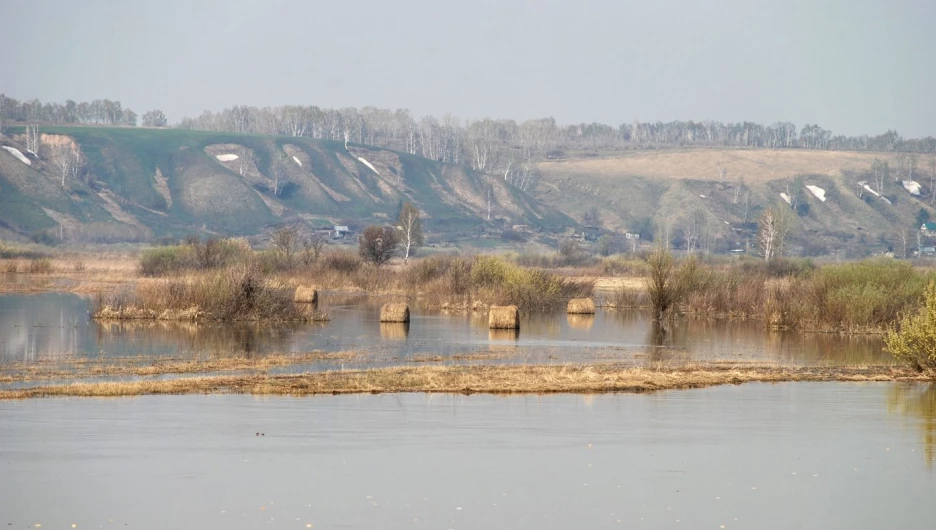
point(793, 455)
point(49, 326)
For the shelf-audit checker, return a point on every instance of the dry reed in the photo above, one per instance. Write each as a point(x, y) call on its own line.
point(492, 379)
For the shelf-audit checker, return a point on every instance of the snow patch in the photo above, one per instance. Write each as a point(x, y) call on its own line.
point(700, 195)
point(368, 164)
point(912, 186)
point(786, 197)
point(230, 157)
point(18, 154)
point(817, 191)
point(885, 199)
point(872, 191)
point(298, 161)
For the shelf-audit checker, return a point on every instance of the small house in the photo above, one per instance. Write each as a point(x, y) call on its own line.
point(341, 231)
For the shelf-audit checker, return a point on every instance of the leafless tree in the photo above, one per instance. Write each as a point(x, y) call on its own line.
point(32, 139)
point(932, 180)
point(154, 118)
point(67, 159)
point(722, 173)
point(410, 226)
point(378, 244)
point(880, 171)
point(903, 237)
point(312, 248)
point(772, 232)
point(285, 240)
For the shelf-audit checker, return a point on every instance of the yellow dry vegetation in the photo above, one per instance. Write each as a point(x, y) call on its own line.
point(755, 165)
point(492, 379)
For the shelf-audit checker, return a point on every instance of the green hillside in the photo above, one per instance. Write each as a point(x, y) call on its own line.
point(138, 184)
point(718, 195)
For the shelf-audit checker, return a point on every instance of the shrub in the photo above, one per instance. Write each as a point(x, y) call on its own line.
point(161, 261)
point(914, 342)
point(40, 266)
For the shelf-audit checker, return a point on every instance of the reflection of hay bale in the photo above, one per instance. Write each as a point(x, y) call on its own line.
point(306, 295)
point(394, 330)
point(579, 321)
point(394, 313)
point(504, 334)
point(504, 317)
point(581, 306)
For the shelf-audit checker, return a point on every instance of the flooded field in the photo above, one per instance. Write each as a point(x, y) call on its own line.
point(795, 455)
point(50, 326)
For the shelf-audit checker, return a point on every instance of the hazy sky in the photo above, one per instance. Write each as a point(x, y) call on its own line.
point(853, 66)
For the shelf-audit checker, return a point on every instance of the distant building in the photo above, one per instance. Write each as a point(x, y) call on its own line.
point(341, 231)
point(928, 229)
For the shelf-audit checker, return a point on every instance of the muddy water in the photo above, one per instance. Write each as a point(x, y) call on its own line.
point(798, 455)
point(46, 326)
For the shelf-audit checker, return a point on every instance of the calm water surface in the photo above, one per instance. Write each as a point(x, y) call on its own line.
point(46, 326)
point(800, 455)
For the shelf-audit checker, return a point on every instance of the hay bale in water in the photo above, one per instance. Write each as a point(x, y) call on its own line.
point(504, 317)
point(306, 295)
point(581, 306)
point(394, 313)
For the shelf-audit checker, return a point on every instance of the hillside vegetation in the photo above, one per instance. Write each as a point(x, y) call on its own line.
point(716, 195)
point(138, 184)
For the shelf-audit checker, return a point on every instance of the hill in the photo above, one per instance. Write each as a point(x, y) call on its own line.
point(139, 184)
point(714, 197)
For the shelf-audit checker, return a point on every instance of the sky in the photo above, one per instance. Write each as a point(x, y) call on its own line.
point(852, 66)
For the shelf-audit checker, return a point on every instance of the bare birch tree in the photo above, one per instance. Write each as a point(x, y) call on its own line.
point(771, 233)
point(67, 159)
point(410, 226)
point(32, 139)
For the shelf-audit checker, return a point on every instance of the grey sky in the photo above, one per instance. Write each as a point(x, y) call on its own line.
point(853, 66)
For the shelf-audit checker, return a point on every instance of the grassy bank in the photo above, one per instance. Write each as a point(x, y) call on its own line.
point(489, 379)
point(855, 297)
point(236, 293)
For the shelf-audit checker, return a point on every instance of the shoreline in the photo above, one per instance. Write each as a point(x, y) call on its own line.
point(593, 378)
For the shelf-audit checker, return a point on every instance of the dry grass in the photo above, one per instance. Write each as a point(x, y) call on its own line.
point(79, 368)
point(491, 379)
point(757, 165)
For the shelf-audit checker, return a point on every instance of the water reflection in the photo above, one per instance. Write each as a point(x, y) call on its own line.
point(581, 321)
point(394, 330)
point(918, 402)
point(53, 325)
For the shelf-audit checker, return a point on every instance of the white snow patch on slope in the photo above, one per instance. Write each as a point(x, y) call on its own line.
point(817, 191)
point(872, 191)
point(368, 164)
point(912, 186)
point(18, 154)
point(885, 199)
point(230, 157)
point(785, 197)
point(298, 161)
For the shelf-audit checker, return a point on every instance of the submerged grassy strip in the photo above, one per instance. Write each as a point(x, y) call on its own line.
point(155, 366)
point(490, 379)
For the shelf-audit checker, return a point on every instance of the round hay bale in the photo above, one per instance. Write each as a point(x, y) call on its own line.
point(306, 295)
point(394, 330)
point(581, 306)
point(504, 317)
point(394, 313)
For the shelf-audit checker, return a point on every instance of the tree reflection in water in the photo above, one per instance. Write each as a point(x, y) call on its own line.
point(917, 401)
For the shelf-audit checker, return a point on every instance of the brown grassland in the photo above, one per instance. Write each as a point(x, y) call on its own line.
point(757, 165)
point(489, 379)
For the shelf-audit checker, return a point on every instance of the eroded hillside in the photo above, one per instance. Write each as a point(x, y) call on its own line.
point(135, 184)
